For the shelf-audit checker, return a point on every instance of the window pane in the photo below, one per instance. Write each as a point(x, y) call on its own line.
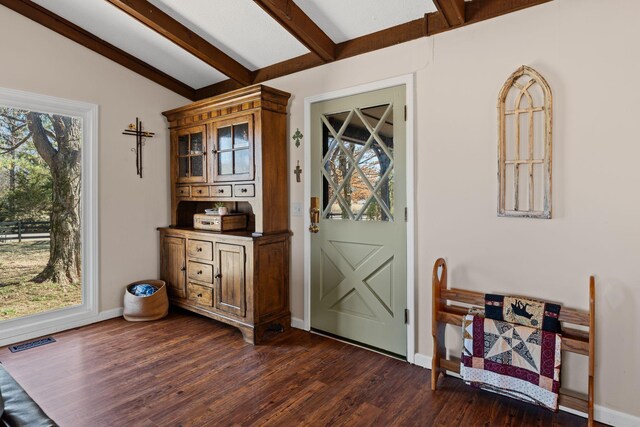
point(385, 192)
point(196, 166)
point(40, 210)
point(225, 163)
point(196, 143)
point(335, 211)
point(183, 145)
point(242, 161)
point(224, 138)
point(359, 193)
point(183, 167)
point(241, 135)
point(373, 212)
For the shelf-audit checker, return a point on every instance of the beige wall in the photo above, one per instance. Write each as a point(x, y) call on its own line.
point(37, 60)
point(588, 52)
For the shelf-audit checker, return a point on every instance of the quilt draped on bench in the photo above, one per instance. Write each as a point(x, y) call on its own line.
point(512, 360)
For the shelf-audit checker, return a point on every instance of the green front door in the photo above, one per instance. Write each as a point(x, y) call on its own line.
point(358, 256)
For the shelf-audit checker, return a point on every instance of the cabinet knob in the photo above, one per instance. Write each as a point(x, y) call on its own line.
point(199, 272)
point(199, 191)
point(183, 269)
point(220, 191)
point(243, 190)
point(199, 295)
point(199, 250)
point(219, 276)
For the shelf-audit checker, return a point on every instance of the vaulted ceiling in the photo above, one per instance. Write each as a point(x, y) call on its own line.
point(200, 48)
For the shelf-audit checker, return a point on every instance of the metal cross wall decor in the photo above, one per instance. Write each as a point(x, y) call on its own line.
point(297, 137)
point(297, 171)
point(138, 131)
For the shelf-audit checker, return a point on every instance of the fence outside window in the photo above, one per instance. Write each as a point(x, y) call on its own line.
point(24, 230)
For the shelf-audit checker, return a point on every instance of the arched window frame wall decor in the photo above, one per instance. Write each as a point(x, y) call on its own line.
point(513, 139)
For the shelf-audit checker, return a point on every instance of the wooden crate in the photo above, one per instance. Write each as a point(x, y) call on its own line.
point(229, 222)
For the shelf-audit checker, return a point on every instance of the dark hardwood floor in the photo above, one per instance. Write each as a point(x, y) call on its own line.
point(189, 370)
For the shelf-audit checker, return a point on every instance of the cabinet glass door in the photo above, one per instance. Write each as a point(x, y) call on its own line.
point(233, 149)
point(191, 155)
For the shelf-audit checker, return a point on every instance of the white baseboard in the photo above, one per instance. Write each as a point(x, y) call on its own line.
point(615, 418)
point(297, 323)
point(103, 315)
point(110, 314)
point(600, 413)
point(422, 360)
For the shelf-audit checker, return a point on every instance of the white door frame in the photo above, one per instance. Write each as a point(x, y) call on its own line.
point(408, 81)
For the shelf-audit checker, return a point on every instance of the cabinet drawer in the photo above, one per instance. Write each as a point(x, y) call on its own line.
point(244, 190)
point(201, 272)
point(200, 295)
point(200, 249)
point(221, 191)
point(183, 191)
point(200, 191)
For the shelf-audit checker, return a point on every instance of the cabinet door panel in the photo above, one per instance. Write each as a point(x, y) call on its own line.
point(233, 149)
point(189, 152)
point(173, 265)
point(230, 292)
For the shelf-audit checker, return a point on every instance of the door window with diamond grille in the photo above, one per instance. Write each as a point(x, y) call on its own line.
point(358, 164)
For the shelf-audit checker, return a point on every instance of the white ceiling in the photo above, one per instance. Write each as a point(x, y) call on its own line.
point(347, 19)
point(240, 28)
point(112, 25)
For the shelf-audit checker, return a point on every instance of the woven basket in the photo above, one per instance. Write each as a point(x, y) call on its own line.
point(152, 307)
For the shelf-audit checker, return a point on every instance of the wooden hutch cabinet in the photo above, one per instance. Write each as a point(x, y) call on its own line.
point(230, 148)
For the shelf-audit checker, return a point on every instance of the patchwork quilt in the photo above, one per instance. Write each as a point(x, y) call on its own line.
point(512, 360)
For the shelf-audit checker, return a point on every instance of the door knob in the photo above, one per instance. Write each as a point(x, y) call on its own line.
point(314, 215)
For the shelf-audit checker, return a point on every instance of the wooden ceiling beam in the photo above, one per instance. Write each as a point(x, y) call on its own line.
point(452, 11)
point(174, 31)
point(479, 10)
point(71, 31)
point(299, 25)
point(432, 23)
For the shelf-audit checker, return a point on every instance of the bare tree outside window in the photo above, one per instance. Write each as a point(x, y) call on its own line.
point(40, 183)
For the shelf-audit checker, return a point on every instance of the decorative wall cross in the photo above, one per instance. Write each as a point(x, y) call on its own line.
point(297, 137)
point(297, 171)
point(138, 131)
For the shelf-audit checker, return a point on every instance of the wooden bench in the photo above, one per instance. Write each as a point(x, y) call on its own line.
point(445, 311)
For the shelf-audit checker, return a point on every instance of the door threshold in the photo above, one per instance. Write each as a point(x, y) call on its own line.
point(358, 344)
